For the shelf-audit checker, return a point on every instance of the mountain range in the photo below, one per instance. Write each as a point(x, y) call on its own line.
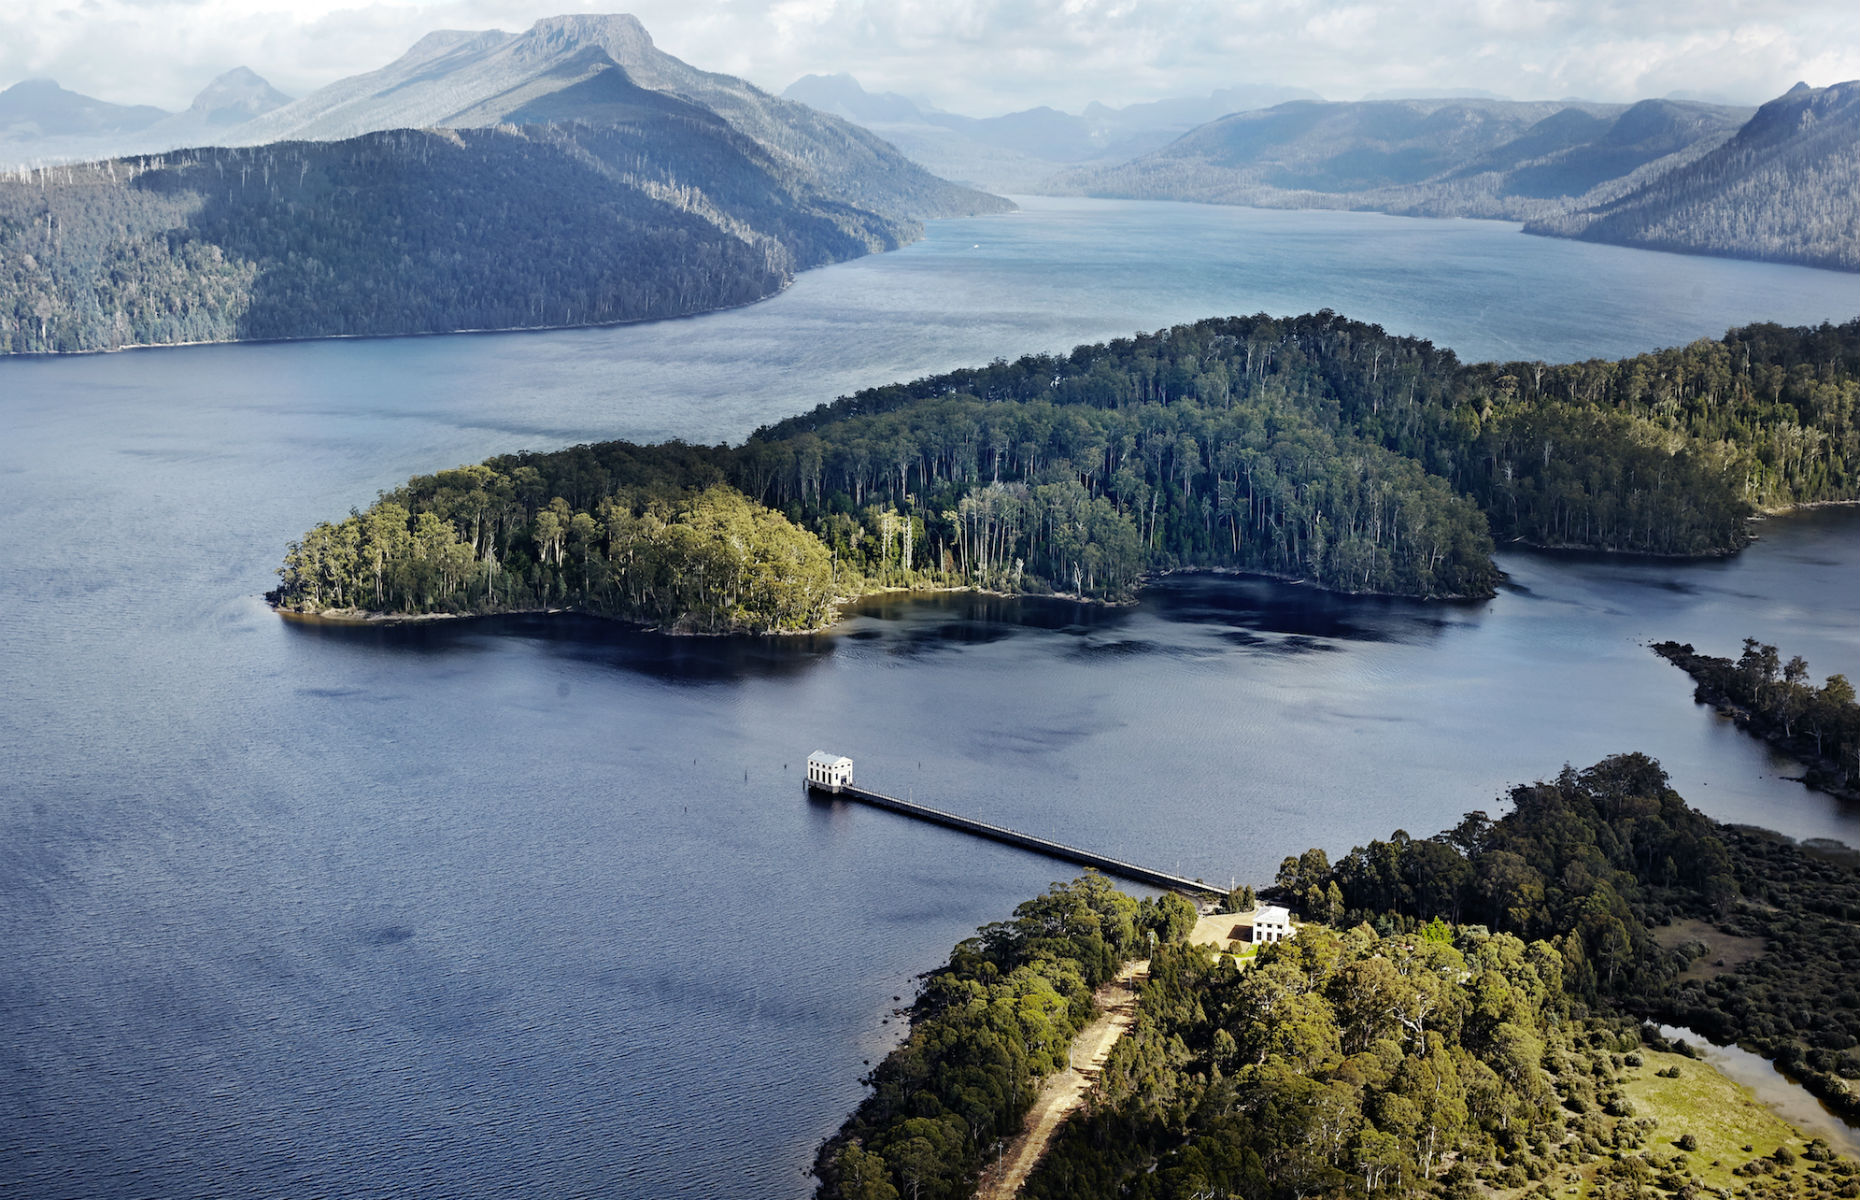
point(1441, 157)
point(1019, 150)
point(573, 173)
point(570, 174)
point(42, 122)
point(596, 69)
point(1786, 186)
point(1780, 183)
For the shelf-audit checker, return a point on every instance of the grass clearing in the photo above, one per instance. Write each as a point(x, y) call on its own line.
point(1723, 1115)
point(1724, 952)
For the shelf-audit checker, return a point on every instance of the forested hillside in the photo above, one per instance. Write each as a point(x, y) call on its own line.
point(985, 1029)
point(412, 232)
point(1786, 188)
point(1314, 448)
point(1610, 864)
point(1351, 1065)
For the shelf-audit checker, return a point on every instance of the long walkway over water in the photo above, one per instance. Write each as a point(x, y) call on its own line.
point(1012, 837)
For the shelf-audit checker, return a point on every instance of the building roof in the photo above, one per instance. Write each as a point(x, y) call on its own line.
point(829, 760)
point(1272, 912)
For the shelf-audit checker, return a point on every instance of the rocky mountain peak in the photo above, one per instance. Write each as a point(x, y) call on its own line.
point(235, 96)
point(619, 34)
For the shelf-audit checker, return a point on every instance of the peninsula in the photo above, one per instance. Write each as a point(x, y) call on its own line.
point(1778, 702)
point(1465, 1016)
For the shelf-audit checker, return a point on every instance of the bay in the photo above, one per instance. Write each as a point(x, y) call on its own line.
point(537, 906)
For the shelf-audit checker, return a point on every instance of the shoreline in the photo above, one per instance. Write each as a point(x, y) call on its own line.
point(1305, 582)
point(1821, 773)
point(493, 330)
point(1762, 514)
point(359, 618)
point(1642, 555)
point(486, 331)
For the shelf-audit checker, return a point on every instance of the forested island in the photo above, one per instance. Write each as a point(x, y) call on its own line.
point(1313, 448)
point(1459, 1016)
point(1779, 703)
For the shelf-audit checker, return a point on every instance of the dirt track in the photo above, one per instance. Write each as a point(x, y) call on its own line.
point(1064, 1091)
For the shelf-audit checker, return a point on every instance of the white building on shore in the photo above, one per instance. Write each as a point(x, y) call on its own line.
point(1272, 924)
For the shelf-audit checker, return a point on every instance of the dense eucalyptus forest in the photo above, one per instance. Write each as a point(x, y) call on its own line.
point(1459, 1016)
point(1632, 885)
point(1314, 448)
point(985, 1028)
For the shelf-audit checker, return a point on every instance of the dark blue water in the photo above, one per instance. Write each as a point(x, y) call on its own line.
point(537, 907)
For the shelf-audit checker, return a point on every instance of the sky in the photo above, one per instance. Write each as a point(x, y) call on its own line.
point(985, 57)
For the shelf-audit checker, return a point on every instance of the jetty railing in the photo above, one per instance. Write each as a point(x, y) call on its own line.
point(1025, 841)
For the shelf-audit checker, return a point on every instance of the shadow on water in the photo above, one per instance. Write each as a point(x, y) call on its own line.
point(1292, 616)
point(984, 611)
point(667, 657)
point(1267, 615)
point(1248, 606)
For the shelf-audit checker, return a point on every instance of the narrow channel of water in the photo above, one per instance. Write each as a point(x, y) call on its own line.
point(1778, 1092)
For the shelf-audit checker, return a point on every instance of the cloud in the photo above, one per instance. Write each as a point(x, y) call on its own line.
point(988, 56)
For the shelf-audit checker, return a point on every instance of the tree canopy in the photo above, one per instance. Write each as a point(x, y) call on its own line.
point(1311, 448)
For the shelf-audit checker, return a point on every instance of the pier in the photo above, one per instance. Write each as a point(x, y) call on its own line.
point(1013, 837)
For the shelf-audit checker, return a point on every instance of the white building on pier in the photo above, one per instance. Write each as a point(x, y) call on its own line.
point(829, 771)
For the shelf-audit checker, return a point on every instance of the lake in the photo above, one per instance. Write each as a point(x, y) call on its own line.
point(538, 906)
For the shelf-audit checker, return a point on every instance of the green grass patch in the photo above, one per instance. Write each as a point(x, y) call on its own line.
point(1723, 1115)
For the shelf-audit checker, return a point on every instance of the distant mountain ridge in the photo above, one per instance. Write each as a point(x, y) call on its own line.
point(1786, 187)
point(1779, 183)
point(234, 98)
point(1442, 157)
point(39, 108)
point(41, 122)
point(1017, 150)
